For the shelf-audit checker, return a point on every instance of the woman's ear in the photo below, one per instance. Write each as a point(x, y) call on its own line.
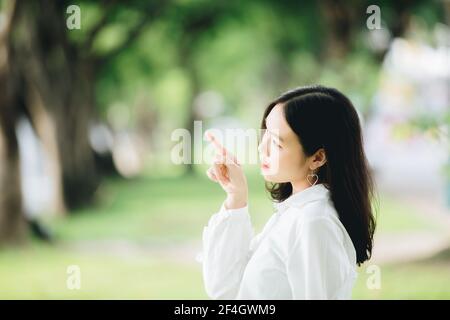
point(318, 159)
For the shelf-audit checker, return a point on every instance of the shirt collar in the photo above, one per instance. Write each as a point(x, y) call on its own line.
point(316, 192)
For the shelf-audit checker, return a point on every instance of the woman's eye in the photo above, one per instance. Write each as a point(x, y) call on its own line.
point(275, 143)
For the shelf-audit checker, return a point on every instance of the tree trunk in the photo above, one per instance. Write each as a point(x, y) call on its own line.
point(80, 176)
point(339, 18)
point(63, 82)
point(187, 64)
point(12, 221)
point(45, 128)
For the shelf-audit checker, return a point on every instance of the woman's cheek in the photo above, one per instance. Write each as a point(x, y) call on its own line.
point(281, 165)
point(290, 166)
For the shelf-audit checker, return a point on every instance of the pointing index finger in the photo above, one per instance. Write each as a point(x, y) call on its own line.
point(211, 138)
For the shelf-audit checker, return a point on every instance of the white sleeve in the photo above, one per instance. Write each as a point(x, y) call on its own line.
point(225, 253)
point(315, 266)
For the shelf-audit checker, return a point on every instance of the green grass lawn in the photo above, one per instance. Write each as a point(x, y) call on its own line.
point(40, 272)
point(418, 280)
point(161, 211)
point(176, 209)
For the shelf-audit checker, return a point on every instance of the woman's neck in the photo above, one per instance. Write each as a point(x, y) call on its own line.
point(298, 186)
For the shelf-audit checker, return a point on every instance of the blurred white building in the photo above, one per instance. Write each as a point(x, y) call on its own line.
point(414, 82)
point(38, 189)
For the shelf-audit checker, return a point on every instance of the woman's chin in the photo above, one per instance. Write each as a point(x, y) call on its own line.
point(271, 177)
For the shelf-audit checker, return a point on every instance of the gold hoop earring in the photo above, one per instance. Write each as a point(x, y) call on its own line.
point(312, 179)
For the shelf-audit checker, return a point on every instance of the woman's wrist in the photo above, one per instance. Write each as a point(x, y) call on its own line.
point(235, 201)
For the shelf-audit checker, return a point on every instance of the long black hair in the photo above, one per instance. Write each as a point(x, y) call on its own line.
point(323, 117)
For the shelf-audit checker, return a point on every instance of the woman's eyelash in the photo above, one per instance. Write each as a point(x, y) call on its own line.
point(274, 142)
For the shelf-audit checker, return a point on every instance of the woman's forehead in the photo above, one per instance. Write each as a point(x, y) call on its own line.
point(276, 122)
point(276, 116)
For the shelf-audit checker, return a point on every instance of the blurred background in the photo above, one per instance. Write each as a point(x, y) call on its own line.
point(88, 106)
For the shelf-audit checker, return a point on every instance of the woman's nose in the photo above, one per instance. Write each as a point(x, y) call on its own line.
point(262, 147)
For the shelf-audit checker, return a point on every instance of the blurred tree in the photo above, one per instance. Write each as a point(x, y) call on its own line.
point(51, 73)
point(12, 221)
point(192, 22)
point(50, 78)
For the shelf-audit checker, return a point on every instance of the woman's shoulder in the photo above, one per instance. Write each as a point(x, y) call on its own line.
point(318, 220)
point(321, 209)
point(319, 214)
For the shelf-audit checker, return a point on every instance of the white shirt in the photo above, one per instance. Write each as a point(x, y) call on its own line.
point(303, 252)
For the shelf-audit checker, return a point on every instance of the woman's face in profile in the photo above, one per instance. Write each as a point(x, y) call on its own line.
point(281, 154)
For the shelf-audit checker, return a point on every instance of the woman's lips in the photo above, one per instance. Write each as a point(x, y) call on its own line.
point(265, 166)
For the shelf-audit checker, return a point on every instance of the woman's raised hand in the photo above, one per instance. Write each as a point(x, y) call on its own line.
point(226, 171)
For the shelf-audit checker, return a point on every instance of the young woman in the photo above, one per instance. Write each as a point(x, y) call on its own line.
point(323, 225)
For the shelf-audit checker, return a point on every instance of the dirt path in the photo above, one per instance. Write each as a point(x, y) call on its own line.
point(409, 246)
